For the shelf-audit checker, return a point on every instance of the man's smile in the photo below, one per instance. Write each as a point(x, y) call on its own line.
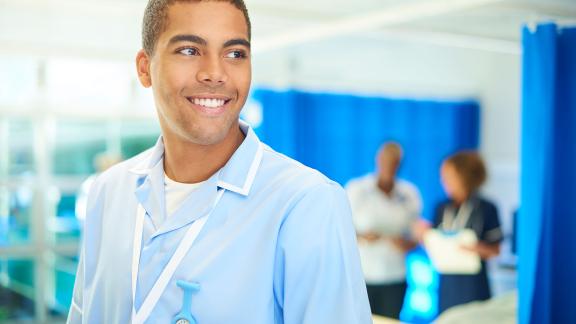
point(210, 104)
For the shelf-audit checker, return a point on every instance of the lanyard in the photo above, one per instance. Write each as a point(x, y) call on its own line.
point(451, 223)
point(138, 317)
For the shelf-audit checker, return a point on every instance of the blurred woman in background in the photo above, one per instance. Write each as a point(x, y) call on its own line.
point(462, 175)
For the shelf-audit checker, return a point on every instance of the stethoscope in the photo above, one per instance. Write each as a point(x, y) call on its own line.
point(150, 301)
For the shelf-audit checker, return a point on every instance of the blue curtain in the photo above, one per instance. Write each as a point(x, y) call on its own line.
point(547, 217)
point(339, 134)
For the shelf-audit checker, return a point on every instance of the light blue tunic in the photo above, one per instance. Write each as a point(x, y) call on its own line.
point(279, 247)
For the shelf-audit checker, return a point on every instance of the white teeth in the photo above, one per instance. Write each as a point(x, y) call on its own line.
point(209, 103)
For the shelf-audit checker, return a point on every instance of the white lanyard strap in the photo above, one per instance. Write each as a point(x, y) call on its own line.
point(457, 222)
point(153, 296)
point(138, 233)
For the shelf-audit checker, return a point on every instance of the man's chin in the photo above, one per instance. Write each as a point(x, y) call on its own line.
point(208, 137)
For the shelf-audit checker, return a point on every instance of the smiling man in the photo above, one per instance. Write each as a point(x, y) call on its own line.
point(211, 225)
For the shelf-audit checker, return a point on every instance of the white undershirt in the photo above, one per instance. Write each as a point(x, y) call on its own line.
point(176, 193)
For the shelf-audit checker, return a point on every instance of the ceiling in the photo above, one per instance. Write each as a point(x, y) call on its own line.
point(397, 46)
point(110, 29)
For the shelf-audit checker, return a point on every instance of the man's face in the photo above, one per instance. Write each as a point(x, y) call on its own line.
point(387, 166)
point(200, 71)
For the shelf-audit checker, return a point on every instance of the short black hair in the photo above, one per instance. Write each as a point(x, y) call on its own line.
point(156, 13)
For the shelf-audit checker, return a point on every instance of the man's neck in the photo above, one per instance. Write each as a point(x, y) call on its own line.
point(187, 162)
point(386, 186)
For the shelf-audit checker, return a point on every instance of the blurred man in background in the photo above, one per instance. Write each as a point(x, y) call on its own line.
point(384, 210)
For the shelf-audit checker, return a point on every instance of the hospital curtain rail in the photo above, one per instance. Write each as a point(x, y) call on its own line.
point(547, 216)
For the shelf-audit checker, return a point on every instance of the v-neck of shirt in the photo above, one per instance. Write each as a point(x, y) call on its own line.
point(176, 193)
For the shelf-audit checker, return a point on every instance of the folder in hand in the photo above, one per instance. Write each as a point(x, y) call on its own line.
point(446, 252)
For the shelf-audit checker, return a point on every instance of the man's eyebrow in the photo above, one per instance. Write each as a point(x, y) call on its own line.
point(188, 38)
point(237, 41)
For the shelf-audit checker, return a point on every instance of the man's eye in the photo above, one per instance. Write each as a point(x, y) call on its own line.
point(188, 51)
point(236, 54)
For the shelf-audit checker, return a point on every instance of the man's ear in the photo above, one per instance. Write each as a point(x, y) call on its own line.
point(143, 68)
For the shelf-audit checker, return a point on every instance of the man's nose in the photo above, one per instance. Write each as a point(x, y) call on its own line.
point(212, 71)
